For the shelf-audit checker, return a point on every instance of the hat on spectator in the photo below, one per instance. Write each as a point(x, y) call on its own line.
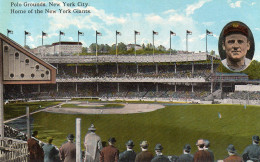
point(35, 133)
point(200, 142)
point(92, 127)
point(231, 148)
point(158, 147)
point(70, 136)
point(144, 144)
point(112, 140)
point(49, 139)
point(129, 143)
point(255, 138)
point(187, 147)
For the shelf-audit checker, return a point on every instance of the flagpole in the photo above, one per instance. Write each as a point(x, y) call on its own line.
point(42, 38)
point(59, 43)
point(153, 43)
point(206, 41)
point(116, 43)
point(186, 41)
point(170, 43)
point(24, 38)
point(96, 43)
point(7, 33)
point(135, 43)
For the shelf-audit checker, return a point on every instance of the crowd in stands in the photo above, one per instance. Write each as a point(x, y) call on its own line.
point(98, 151)
point(255, 95)
point(13, 133)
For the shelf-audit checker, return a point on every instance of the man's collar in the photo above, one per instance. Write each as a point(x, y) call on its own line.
point(128, 149)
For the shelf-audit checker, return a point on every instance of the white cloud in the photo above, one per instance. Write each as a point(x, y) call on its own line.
point(208, 23)
point(253, 3)
point(70, 38)
point(258, 29)
point(236, 4)
point(152, 18)
point(169, 11)
point(191, 8)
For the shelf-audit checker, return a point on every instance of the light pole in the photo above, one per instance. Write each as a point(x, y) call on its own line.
point(174, 34)
point(154, 33)
point(187, 33)
point(117, 33)
point(136, 33)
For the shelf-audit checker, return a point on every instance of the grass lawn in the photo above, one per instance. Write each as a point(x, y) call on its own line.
point(173, 127)
point(13, 110)
point(93, 106)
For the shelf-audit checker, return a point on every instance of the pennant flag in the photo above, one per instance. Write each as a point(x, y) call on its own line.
point(27, 33)
point(62, 33)
point(209, 33)
point(118, 33)
point(219, 115)
point(188, 32)
point(9, 31)
point(80, 33)
point(155, 33)
point(98, 33)
point(172, 33)
point(44, 34)
point(137, 33)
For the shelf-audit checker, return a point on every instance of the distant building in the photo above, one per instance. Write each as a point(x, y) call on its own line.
point(64, 48)
point(130, 46)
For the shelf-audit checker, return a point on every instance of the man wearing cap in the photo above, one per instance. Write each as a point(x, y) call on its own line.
point(186, 156)
point(159, 156)
point(236, 44)
point(201, 155)
point(68, 150)
point(232, 155)
point(109, 153)
point(50, 152)
point(206, 148)
point(36, 153)
point(129, 154)
point(145, 155)
point(252, 152)
point(93, 145)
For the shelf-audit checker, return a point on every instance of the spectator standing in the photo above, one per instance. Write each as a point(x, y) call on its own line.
point(50, 152)
point(36, 153)
point(252, 152)
point(159, 155)
point(206, 148)
point(186, 156)
point(201, 155)
point(109, 153)
point(93, 145)
point(233, 157)
point(128, 155)
point(145, 155)
point(68, 150)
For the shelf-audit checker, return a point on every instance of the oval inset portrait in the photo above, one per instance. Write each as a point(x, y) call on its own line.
point(236, 46)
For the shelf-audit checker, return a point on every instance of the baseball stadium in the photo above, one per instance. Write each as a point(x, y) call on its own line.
point(168, 98)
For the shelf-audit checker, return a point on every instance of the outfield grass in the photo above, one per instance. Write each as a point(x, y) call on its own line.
point(12, 110)
point(173, 127)
point(105, 106)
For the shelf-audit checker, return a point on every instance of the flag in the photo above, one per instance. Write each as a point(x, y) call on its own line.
point(118, 33)
point(27, 33)
point(62, 33)
point(80, 33)
point(188, 32)
point(155, 33)
point(172, 33)
point(98, 33)
point(137, 33)
point(219, 115)
point(208, 32)
point(44, 34)
point(9, 31)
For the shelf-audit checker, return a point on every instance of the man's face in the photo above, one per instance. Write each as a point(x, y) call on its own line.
point(236, 47)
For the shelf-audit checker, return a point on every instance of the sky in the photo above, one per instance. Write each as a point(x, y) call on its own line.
point(125, 16)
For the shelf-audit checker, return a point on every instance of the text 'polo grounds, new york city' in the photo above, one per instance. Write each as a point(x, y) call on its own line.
point(48, 7)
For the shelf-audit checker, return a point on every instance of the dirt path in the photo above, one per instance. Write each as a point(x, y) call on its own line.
point(127, 109)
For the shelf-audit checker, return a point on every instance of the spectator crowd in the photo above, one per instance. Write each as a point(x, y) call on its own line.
point(95, 151)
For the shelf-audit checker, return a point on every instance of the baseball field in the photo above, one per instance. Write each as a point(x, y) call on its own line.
point(173, 126)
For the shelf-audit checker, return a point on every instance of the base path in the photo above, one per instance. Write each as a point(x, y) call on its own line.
point(127, 109)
